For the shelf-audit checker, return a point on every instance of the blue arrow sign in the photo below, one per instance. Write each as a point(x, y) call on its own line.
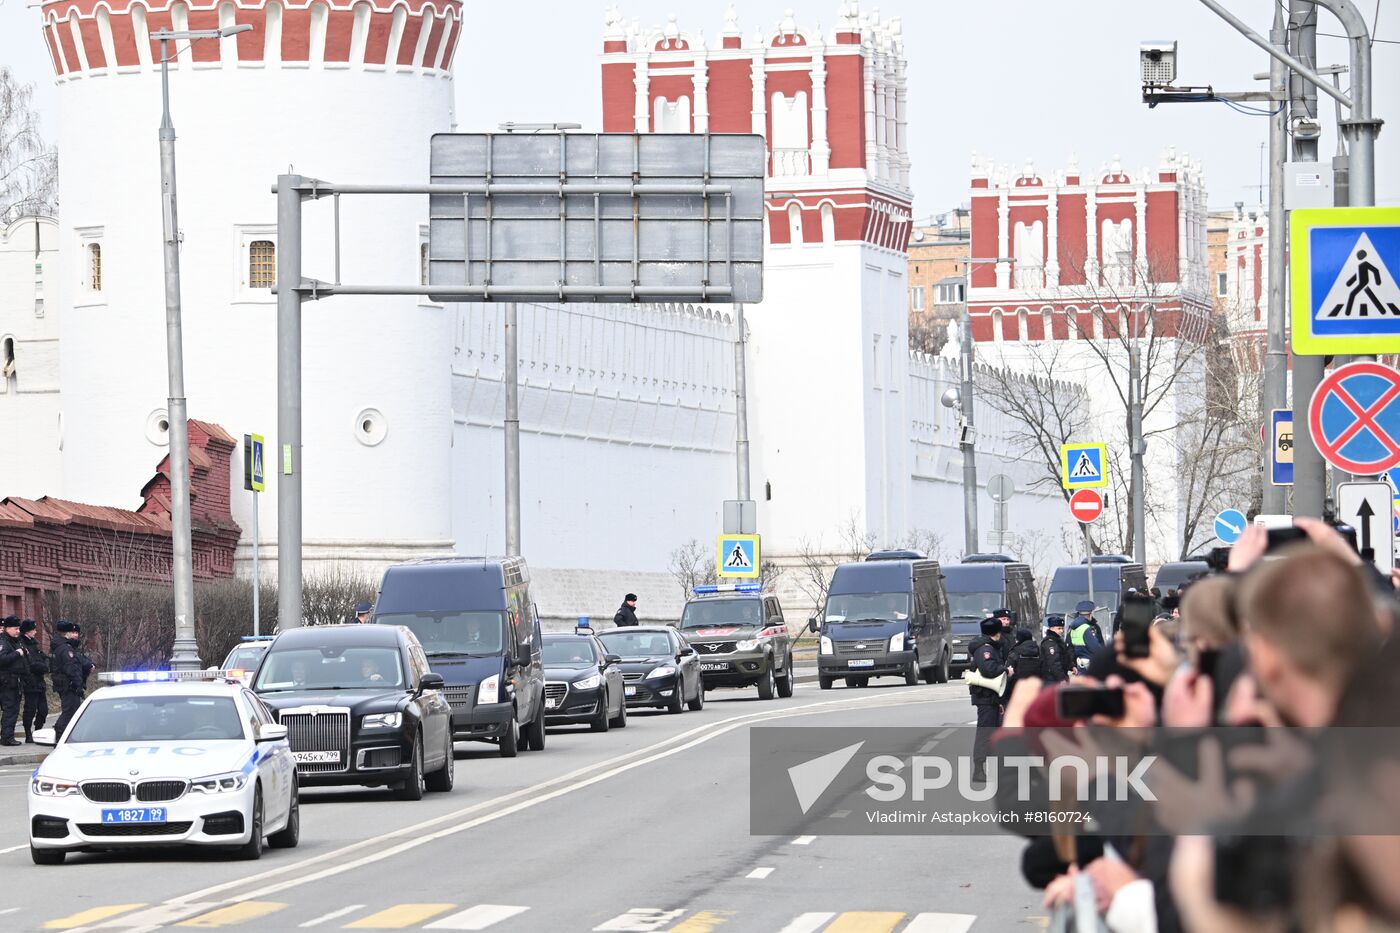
point(1230, 525)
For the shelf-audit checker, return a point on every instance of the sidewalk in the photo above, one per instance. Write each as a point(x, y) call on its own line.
point(23, 754)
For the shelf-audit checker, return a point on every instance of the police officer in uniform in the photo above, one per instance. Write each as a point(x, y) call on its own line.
point(14, 667)
point(1053, 654)
point(626, 613)
point(1085, 636)
point(985, 656)
point(1007, 618)
point(36, 699)
point(70, 673)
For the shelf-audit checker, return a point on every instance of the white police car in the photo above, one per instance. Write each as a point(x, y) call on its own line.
point(165, 758)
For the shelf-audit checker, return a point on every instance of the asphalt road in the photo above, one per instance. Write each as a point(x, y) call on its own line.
point(644, 829)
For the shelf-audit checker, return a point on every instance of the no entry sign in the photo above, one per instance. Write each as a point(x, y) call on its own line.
point(1086, 505)
point(1355, 418)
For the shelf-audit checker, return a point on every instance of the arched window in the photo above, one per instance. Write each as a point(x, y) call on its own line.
point(262, 264)
point(828, 224)
point(997, 333)
point(1023, 324)
point(795, 223)
point(95, 267)
point(1047, 324)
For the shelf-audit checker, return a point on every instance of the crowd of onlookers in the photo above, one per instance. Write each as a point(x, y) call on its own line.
point(1264, 832)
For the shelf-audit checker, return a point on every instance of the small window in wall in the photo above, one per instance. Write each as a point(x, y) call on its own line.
point(795, 224)
point(1221, 283)
point(262, 264)
point(917, 297)
point(94, 251)
point(422, 263)
point(829, 226)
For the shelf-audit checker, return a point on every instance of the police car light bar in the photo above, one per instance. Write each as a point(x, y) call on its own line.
point(156, 677)
point(728, 588)
point(257, 637)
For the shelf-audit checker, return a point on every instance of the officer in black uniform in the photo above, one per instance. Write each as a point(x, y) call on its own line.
point(36, 694)
point(14, 667)
point(1054, 666)
point(70, 673)
point(984, 655)
point(1007, 618)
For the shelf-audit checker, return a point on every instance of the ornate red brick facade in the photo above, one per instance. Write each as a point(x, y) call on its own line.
point(48, 545)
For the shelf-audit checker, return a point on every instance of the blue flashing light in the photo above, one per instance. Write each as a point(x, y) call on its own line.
point(728, 588)
point(157, 677)
point(257, 637)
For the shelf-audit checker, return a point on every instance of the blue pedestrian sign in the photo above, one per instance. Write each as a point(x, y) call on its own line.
point(1229, 525)
point(254, 474)
point(1083, 466)
point(1344, 268)
point(738, 556)
point(1281, 447)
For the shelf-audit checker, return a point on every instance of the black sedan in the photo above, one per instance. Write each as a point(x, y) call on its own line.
point(659, 667)
point(360, 707)
point(583, 683)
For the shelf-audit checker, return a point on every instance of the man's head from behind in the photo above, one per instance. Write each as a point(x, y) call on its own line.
point(1310, 624)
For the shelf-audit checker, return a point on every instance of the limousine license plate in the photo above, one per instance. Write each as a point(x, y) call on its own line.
point(630, 691)
point(317, 758)
point(960, 656)
point(861, 662)
point(135, 815)
point(715, 666)
point(551, 703)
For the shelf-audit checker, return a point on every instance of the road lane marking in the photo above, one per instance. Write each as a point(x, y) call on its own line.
point(804, 840)
point(153, 917)
point(333, 915)
point(13, 849)
point(234, 913)
point(399, 917)
point(940, 923)
point(866, 921)
point(840, 814)
point(10, 910)
point(91, 915)
point(477, 918)
point(532, 796)
point(807, 923)
point(944, 734)
point(759, 873)
point(927, 746)
point(703, 922)
point(639, 920)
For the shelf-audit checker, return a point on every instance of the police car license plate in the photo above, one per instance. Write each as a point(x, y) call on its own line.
point(861, 662)
point(960, 656)
point(630, 691)
point(317, 758)
point(135, 815)
point(551, 703)
point(715, 666)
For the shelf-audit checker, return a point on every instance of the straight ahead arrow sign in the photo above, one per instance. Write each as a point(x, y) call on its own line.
point(1365, 513)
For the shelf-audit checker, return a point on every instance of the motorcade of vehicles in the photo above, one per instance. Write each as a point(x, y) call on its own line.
point(977, 587)
point(480, 630)
point(1171, 576)
point(659, 667)
point(163, 758)
point(886, 616)
point(244, 658)
point(1114, 575)
point(742, 639)
point(583, 683)
point(360, 706)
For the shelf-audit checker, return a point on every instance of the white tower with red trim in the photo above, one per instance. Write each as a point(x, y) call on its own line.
point(830, 354)
point(347, 89)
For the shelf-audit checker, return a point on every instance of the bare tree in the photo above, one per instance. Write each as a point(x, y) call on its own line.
point(28, 165)
point(691, 565)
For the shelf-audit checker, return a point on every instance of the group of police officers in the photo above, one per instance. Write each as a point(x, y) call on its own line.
point(1004, 649)
point(23, 665)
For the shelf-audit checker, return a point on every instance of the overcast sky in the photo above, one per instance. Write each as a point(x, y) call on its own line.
point(1008, 79)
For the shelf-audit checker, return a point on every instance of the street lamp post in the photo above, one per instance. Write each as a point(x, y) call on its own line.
point(185, 655)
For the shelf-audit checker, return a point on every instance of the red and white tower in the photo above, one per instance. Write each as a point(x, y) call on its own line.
point(830, 339)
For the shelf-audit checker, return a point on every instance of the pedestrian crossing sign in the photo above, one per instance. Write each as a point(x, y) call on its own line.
point(1083, 466)
point(738, 557)
point(1344, 267)
point(254, 476)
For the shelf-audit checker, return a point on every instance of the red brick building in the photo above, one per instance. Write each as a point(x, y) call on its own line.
point(51, 545)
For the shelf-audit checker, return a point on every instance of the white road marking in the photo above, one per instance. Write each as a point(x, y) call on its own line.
point(803, 840)
point(332, 915)
point(152, 918)
point(13, 849)
point(941, 923)
point(11, 910)
point(760, 873)
point(807, 923)
point(496, 808)
point(477, 918)
point(640, 920)
point(840, 814)
point(927, 746)
point(944, 734)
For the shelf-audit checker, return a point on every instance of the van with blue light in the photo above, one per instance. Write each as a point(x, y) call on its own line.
point(481, 631)
point(977, 587)
point(1114, 576)
point(742, 639)
point(886, 616)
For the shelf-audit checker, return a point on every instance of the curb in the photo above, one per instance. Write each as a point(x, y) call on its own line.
point(23, 758)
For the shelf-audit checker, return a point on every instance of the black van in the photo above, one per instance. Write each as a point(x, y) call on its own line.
point(481, 632)
point(885, 617)
point(1114, 575)
point(981, 584)
point(1170, 576)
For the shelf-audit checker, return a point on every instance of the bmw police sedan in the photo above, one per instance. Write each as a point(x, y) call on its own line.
point(165, 758)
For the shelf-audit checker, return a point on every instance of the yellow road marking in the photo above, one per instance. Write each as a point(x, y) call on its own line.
point(234, 913)
point(399, 916)
point(703, 922)
point(91, 915)
point(865, 921)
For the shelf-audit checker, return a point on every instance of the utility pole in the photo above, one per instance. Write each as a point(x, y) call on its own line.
point(512, 430)
point(1275, 395)
point(741, 404)
point(185, 656)
point(967, 438)
point(1138, 448)
point(288, 457)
